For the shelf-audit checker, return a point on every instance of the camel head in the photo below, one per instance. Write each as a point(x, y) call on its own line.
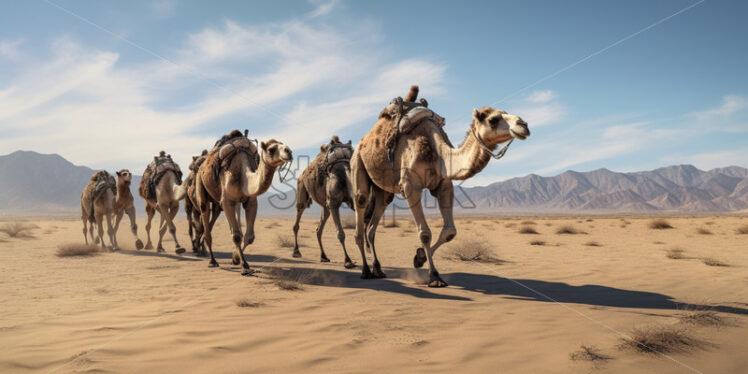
point(124, 177)
point(275, 153)
point(495, 126)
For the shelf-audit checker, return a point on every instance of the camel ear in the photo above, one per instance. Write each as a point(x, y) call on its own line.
point(324, 147)
point(119, 174)
point(478, 115)
point(264, 146)
point(194, 158)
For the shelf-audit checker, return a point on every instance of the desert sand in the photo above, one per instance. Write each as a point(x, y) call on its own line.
point(147, 312)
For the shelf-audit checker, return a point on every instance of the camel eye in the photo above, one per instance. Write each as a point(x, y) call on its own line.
point(272, 151)
point(494, 120)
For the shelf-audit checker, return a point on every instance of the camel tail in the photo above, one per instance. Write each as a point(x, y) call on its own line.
point(413, 94)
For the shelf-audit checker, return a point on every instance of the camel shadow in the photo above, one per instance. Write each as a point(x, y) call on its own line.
point(153, 253)
point(589, 294)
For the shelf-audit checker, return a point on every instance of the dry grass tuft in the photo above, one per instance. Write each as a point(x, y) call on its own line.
point(568, 230)
point(660, 224)
point(285, 241)
point(528, 222)
point(73, 249)
point(289, 280)
point(662, 339)
point(703, 231)
point(713, 262)
point(675, 254)
point(528, 230)
point(589, 353)
point(537, 242)
point(593, 244)
point(510, 225)
point(742, 230)
point(472, 250)
point(19, 230)
point(703, 318)
point(245, 303)
point(549, 224)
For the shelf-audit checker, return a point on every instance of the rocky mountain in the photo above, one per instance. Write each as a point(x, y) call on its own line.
point(36, 183)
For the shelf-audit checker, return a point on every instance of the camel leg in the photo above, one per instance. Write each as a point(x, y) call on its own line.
point(302, 201)
point(320, 229)
point(361, 189)
point(117, 219)
point(413, 196)
point(250, 212)
point(149, 212)
point(335, 211)
point(380, 205)
point(85, 228)
point(207, 233)
point(100, 229)
point(163, 213)
point(173, 210)
point(445, 197)
point(110, 232)
point(134, 227)
point(229, 207)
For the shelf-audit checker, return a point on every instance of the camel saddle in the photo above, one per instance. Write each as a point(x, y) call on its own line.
point(156, 170)
point(231, 145)
point(104, 181)
point(407, 116)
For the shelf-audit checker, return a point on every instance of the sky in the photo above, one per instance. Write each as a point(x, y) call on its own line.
point(627, 85)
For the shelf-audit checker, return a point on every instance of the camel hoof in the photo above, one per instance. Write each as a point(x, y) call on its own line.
point(213, 264)
point(180, 250)
point(436, 281)
point(160, 249)
point(349, 264)
point(378, 273)
point(236, 258)
point(149, 246)
point(247, 272)
point(420, 258)
point(296, 253)
point(138, 244)
point(324, 259)
point(203, 253)
point(366, 273)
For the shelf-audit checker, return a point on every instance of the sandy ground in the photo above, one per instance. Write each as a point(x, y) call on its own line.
point(141, 311)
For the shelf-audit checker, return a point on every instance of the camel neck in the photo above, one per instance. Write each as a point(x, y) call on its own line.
point(124, 196)
point(462, 162)
point(260, 181)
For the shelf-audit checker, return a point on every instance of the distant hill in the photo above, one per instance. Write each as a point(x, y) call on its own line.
point(37, 183)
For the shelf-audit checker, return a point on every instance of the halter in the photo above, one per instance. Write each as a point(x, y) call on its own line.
point(496, 155)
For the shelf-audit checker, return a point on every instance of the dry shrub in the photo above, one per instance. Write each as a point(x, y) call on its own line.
point(675, 254)
point(589, 353)
point(510, 225)
point(593, 244)
point(472, 250)
point(660, 224)
point(76, 249)
point(289, 280)
point(703, 318)
point(709, 223)
point(742, 230)
point(590, 220)
point(549, 224)
point(568, 230)
point(285, 241)
point(658, 242)
point(662, 339)
point(537, 242)
point(19, 230)
point(528, 230)
point(703, 231)
point(713, 262)
point(245, 303)
point(528, 222)
point(348, 222)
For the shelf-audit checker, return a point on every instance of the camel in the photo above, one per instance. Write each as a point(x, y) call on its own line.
point(422, 158)
point(124, 204)
point(326, 181)
point(190, 206)
point(97, 203)
point(235, 172)
point(163, 196)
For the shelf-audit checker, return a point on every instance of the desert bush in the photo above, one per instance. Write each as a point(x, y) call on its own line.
point(589, 353)
point(660, 224)
point(743, 230)
point(661, 339)
point(245, 303)
point(675, 254)
point(537, 242)
point(703, 231)
point(285, 241)
point(510, 225)
point(713, 262)
point(528, 230)
point(568, 230)
point(74, 249)
point(472, 250)
point(528, 222)
point(19, 230)
point(593, 244)
point(703, 318)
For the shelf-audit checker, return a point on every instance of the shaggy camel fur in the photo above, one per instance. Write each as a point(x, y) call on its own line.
point(241, 181)
point(97, 204)
point(190, 207)
point(168, 192)
point(124, 204)
point(423, 159)
point(326, 181)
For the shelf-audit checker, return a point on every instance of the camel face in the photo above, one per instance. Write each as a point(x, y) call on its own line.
point(276, 153)
point(124, 177)
point(497, 126)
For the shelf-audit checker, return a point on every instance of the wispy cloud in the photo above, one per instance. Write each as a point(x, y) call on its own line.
point(731, 104)
point(322, 7)
point(711, 160)
point(540, 108)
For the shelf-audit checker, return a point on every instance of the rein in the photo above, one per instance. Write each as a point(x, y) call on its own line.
point(496, 155)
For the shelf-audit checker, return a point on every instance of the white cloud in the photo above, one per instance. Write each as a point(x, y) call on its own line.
point(322, 7)
point(540, 96)
point(162, 8)
point(731, 104)
point(540, 108)
point(711, 160)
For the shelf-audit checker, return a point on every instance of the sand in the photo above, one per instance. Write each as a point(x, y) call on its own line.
point(146, 312)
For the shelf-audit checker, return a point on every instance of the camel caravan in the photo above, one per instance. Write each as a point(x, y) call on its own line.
point(405, 152)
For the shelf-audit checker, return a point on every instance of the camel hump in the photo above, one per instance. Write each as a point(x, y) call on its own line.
point(413, 94)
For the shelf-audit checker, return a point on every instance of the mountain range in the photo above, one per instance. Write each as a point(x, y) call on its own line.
point(34, 183)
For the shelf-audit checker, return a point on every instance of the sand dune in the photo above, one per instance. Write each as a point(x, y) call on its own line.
point(140, 311)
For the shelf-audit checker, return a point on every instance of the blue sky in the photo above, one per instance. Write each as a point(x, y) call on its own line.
point(108, 84)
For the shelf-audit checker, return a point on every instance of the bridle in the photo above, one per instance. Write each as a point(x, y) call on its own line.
point(496, 155)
